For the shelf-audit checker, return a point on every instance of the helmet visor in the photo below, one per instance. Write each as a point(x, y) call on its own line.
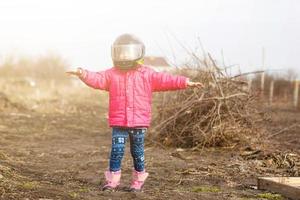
point(128, 52)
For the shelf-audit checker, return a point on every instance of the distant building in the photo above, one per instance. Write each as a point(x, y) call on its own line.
point(157, 63)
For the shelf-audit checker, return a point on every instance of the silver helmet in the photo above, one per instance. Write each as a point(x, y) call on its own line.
point(126, 51)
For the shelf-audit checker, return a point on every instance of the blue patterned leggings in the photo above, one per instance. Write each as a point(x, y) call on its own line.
point(119, 138)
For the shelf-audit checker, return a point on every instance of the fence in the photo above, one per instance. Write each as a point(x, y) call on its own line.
point(276, 90)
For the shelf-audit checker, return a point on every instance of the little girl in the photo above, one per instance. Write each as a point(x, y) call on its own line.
point(130, 85)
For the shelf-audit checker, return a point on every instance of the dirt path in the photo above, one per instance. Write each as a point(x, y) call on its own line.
point(57, 156)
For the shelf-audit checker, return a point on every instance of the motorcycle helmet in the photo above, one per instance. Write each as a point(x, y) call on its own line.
point(127, 52)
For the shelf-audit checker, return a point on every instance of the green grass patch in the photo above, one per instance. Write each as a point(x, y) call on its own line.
point(270, 196)
point(83, 190)
point(30, 185)
point(206, 189)
point(73, 195)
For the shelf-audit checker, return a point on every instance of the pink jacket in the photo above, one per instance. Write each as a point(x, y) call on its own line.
point(130, 92)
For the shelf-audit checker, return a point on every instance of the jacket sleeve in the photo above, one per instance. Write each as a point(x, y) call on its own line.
point(97, 80)
point(163, 81)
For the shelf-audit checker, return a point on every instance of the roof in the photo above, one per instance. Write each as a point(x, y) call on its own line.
point(156, 61)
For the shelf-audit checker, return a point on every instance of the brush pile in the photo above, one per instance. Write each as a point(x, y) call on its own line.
point(220, 114)
point(7, 105)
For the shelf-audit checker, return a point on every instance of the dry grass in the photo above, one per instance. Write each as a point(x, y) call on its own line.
point(40, 84)
point(62, 98)
point(45, 67)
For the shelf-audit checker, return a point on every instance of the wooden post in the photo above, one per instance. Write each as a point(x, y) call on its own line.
point(285, 95)
point(296, 93)
point(271, 92)
point(249, 85)
point(262, 81)
point(262, 84)
point(287, 186)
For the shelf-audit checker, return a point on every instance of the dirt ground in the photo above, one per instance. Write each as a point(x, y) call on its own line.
point(62, 155)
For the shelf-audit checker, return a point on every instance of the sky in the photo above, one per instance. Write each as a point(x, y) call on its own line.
point(82, 31)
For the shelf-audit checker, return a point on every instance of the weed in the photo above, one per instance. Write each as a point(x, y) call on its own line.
point(205, 189)
point(270, 196)
point(30, 185)
point(73, 195)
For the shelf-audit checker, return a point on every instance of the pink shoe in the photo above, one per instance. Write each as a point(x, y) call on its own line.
point(138, 180)
point(112, 180)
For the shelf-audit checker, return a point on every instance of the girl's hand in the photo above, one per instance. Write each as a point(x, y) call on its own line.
point(78, 72)
point(195, 84)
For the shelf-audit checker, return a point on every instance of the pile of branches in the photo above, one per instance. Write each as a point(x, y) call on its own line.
point(223, 113)
point(7, 105)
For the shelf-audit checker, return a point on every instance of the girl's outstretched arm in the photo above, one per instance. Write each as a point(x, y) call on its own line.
point(97, 80)
point(162, 81)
